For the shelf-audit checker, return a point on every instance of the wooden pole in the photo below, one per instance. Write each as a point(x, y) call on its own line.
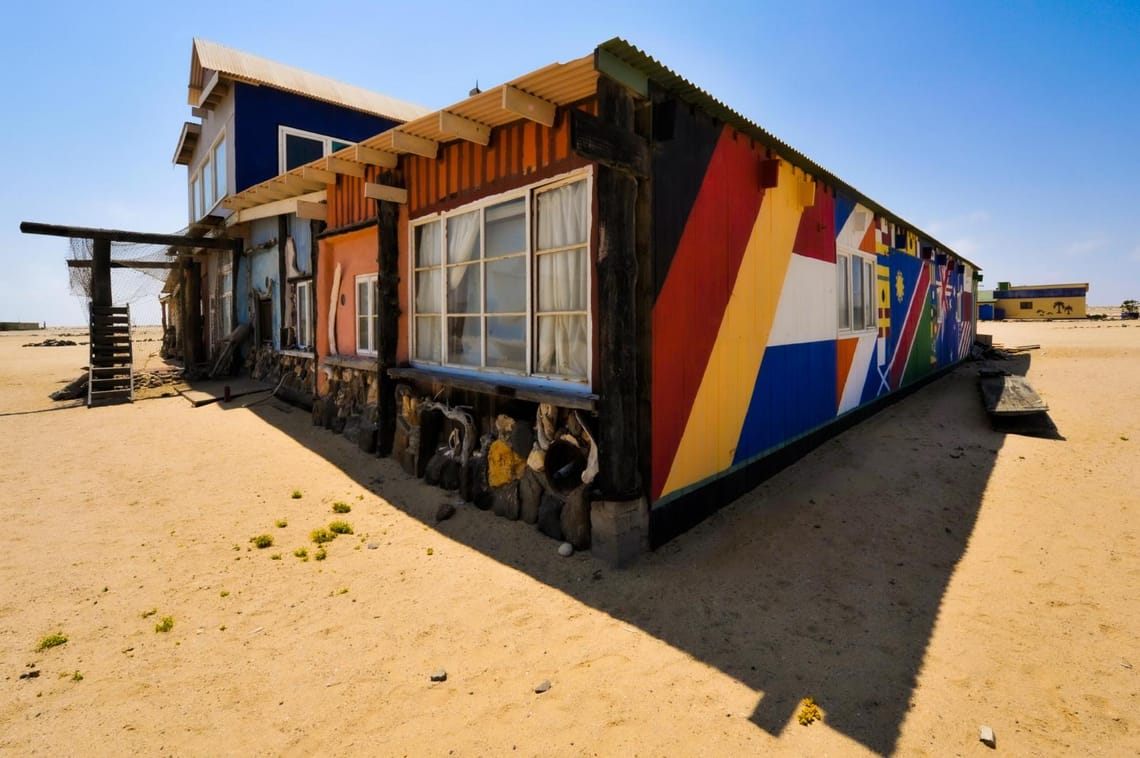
point(618, 328)
point(388, 313)
point(101, 273)
point(122, 235)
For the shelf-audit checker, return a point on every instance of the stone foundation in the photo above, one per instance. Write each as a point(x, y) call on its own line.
point(297, 369)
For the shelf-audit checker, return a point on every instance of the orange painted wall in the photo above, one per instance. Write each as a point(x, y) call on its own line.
point(356, 254)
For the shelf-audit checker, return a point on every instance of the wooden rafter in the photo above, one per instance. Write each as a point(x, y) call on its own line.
point(318, 175)
point(409, 143)
point(374, 157)
point(342, 166)
point(452, 125)
point(385, 192)
point(528, 106)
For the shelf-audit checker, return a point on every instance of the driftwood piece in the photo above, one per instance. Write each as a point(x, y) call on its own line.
point(461, 417)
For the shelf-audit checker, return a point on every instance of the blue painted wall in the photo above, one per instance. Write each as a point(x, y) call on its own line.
point(258, 111)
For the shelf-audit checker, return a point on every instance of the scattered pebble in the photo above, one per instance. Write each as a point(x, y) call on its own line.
point(543, 687)
point(33, 674)
point(986, 736)
point(439, 675)
point(373, 545)
point(445, 511)
point(566, 550)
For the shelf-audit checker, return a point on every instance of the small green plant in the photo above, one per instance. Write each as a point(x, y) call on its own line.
point(321, 554)
point(340, 527)
point(148, 614)
point(321, 536)
point(275, 557)
point(430, 551)
point(51, 640)
point(262, 541)
point(165, 625)
point(296, 494)
point(341, 507)
point(282, 523)
point(237, 547)
point(301, 553)
point(77, 677)
point(342, 591)
point(224, 593)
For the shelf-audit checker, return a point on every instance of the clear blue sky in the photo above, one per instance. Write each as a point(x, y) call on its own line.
point(1010, 131)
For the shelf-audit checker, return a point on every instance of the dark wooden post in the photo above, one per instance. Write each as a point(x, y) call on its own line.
point(282, 275)
point(236, 249)
point(618, 428)
point(192, 316)
point(101, 272)
point(388, 313)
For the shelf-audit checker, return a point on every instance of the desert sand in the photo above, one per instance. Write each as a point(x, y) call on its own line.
point(919, 575)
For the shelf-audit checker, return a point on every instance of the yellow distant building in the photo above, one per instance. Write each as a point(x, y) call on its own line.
point(1040, 301)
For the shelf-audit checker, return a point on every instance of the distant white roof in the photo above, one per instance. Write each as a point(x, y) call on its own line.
point(208, 58)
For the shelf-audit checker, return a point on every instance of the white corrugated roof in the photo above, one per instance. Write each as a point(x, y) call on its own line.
point(235, 64)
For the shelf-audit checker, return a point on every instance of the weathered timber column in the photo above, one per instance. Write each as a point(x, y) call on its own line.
point(192, 316)
point(619, 476)
point(236, 249)
point(619, 520)
point(387, 313)
point(101, 272)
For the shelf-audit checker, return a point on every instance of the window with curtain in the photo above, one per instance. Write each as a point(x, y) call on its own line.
point(504, 286)
point(366, 343)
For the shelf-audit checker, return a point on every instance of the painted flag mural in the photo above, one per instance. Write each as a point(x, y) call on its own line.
point(778, 308)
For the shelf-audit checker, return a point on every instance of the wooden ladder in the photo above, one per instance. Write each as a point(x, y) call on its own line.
point(112, 377)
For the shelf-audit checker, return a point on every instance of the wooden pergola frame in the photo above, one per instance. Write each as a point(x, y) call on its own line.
point(101, 265)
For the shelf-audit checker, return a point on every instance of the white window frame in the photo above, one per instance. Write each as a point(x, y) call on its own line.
point(304, 314)
point(372, 348)
point(285, 131)
point(205, 193)
point(530, 193)
point(226, 298)
point(846, 259)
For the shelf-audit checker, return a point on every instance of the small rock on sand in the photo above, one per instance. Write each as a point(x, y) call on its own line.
point(439, 675)
point(542, 687)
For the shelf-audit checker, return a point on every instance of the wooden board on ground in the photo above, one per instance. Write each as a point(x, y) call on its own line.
point(203, 392)
point(1010, 396)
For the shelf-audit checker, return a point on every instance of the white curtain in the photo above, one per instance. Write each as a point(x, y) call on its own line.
point(462, 246)
point(562, 281)
point(429, 304)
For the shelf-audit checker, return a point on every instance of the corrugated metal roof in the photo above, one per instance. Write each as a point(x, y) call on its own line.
point(562, 83)
point(558, 83)
point(235, 64)
point(690, 93)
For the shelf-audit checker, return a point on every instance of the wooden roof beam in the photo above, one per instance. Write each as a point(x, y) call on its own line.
point(386, 192)
point(409, 143)
point(312, 173)
point(464, 128)
point(374, 157)
point(342, 166)
point(301, 184)
point(528, 106)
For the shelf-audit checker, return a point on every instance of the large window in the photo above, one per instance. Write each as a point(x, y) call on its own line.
point(304, 311)
point(855, 289)
point(297, 147)
point(366, 314)
point(504, 285)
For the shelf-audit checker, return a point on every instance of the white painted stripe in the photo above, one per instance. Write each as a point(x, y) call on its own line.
point(807, 310)
point(857, 374)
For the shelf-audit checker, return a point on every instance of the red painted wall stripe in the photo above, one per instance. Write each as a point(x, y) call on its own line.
point(689, 309)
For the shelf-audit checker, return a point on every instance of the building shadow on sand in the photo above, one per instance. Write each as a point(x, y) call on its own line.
point(825, 581)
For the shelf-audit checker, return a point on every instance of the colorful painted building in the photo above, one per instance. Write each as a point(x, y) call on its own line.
point(600, 253)
point(1040, 301)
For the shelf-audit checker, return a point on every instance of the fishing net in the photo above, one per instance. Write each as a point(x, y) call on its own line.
point(128, 285)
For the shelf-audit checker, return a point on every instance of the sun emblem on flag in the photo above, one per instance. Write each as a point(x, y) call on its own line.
point(899, 290)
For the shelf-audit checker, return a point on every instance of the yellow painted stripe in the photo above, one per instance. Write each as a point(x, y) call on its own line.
point(713, 428)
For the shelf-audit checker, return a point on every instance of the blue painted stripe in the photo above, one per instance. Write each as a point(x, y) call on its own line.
point(1043, 292)
point(793, 394)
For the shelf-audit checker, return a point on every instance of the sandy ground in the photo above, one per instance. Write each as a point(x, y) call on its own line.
point(919, 575)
